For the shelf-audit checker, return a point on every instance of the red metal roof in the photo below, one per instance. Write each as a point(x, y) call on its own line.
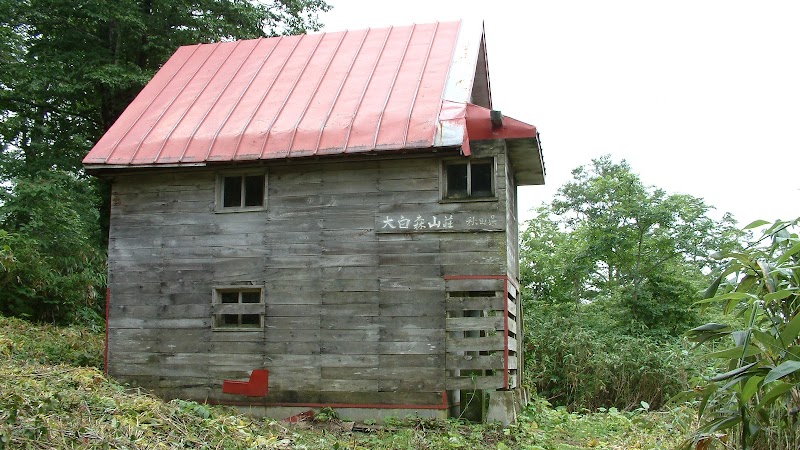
point(369, 90)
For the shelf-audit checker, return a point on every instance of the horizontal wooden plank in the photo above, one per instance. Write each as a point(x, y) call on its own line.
point(412, 309)
point(304, 310)
point(467, 344)
point(412, 385)
point(411, 334)
point(479, 382)
point(271, 348)
point(364, 335)
point(411, 360)
point(155, 323)
point(474, 284)
point(512, 291)
point(348, 348)
point(382, 373)
point(410, 348)
point(512, 362)
point(473, 269)
point(405, 284)
point(472, 362)
point(512, 307)
point(511, 326)
point(292, 323)
point(475, 323)
point(475, 303)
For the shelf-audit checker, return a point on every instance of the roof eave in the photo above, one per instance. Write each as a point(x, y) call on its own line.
point(526, 160)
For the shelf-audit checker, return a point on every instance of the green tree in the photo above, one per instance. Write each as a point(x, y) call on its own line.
point(610, 241)
point(50, 269)
point(610, 269)
point(68, 68)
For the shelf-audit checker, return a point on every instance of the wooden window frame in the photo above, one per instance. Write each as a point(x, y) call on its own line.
point(220, 191)
point(443, 177)
point(239, 309)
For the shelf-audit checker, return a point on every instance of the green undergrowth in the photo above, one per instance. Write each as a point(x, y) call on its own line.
point(51, 396)
point(49, 344)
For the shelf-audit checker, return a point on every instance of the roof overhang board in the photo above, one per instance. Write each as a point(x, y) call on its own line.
point(526, 160)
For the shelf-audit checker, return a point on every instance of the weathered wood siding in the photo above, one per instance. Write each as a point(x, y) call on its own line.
point(353, 314)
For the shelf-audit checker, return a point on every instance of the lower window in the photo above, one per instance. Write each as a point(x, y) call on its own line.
point(238, 307)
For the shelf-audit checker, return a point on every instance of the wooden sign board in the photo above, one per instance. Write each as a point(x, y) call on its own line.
point(437, 223)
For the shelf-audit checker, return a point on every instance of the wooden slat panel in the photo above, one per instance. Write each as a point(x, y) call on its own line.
point(487, 343)
point(512, 326)
point(512, 362)
point(512, 307)
point(472, 284)
point(470, 362)
point(475, 303)
point(512, 291)
point(512, 344)
point(475, 323)
point(465, 383)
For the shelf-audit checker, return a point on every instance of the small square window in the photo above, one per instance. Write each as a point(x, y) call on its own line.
point(237, 308)
point(242, 191)
point(466, 180)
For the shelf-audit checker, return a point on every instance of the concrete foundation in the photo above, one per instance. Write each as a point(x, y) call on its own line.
point(504, 406)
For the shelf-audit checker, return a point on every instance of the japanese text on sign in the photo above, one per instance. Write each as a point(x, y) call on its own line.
point(403, 223)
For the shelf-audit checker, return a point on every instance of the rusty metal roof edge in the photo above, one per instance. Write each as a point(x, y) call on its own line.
point(392, 153)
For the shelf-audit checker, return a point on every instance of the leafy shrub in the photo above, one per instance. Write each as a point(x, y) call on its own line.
point(47, 344)
point(581, 361)
point(52, 266)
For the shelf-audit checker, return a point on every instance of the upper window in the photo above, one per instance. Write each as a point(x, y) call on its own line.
point(242, 191)
point(473, 179)
point(238, 308)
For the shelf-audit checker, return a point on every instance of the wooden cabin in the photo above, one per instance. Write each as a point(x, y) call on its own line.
point(320, 220)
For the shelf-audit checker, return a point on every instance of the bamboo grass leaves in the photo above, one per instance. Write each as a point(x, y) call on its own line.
point(756, 397)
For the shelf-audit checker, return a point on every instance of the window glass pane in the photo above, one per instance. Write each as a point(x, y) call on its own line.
point(232, 192)
point(481, 179)
point(251, 320)
point(229, 320)
point(254, 190)
point(456, 180)
point(229, 297)
point(251, 297)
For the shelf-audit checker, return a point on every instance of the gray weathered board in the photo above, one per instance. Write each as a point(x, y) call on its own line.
point(355, 311)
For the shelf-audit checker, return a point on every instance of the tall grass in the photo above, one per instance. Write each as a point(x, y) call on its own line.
point(576, 362)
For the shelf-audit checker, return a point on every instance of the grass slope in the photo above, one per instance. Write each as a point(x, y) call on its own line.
point(53, 395)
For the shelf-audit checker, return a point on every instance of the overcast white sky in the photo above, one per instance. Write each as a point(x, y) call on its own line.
point(700, 96)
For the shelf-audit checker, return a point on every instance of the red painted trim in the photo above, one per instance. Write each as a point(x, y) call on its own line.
point(256, 386)
point(334, 405)
point(105, 350)
point(505, 334)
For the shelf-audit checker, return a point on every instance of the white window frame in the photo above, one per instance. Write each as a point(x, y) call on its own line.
point(220, 191)
point(445, 196)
